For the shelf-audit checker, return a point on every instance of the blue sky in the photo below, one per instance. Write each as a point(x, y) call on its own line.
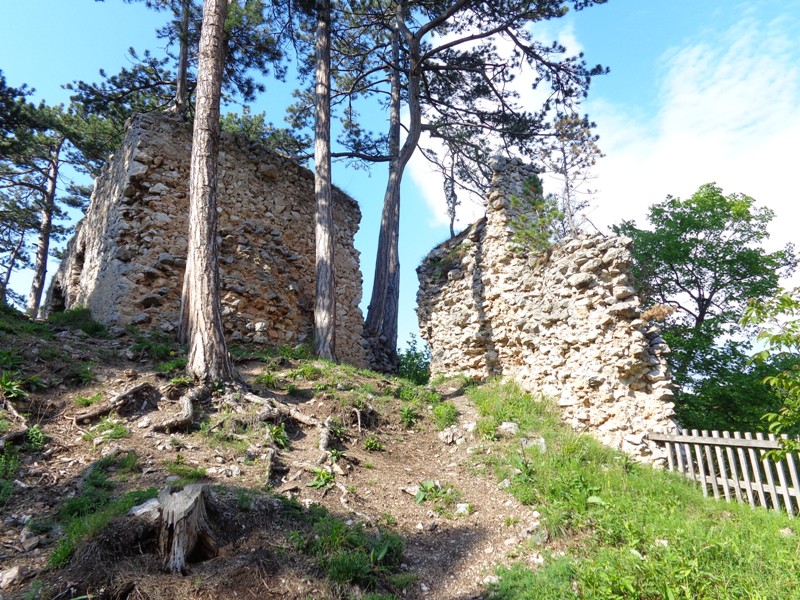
point(699, 91)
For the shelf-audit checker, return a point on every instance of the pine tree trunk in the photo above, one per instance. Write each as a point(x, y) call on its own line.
point(380, 328)
point(181, 85)
point(201, 310)
point(325, 296)
point(12, 261)
point(45, 229)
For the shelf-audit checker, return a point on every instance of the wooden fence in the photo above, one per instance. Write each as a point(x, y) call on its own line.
point(733, 466)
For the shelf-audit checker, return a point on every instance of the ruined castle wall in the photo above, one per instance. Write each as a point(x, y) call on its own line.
point(127, 258)
point(566, 323)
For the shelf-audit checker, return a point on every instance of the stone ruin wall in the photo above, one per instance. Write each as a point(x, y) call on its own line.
point(126, 260)
point(567, 324)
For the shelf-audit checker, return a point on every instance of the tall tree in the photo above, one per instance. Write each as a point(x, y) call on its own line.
point(457, 88)
point(201, 309)
point(154, 82)
point(51, 138)
point(569, 156)
point(325, 293)
point(704, 258)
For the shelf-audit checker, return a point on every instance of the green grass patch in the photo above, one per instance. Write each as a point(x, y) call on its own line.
point(78, 317)
point(9, 465)
point(444, 415)
point(88, 400)
point(628, 530)
point(107, 428)
point(90, 511)
point(345, 553)
point(188, 473)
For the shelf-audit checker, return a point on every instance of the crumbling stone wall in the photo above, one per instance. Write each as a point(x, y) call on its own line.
point(126, 260)
point(566, 323)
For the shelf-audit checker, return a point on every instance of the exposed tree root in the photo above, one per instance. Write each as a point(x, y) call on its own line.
point(184, 419)
point(118, 402)
point(13, 437)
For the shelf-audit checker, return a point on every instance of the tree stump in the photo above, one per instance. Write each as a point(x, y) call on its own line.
point(184, 534)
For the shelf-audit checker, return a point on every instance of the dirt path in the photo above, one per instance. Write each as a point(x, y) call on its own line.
point(453, 546)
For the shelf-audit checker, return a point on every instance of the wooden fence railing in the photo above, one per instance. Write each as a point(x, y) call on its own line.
point(733, 466)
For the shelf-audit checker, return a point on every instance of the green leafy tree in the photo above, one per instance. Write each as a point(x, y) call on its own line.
point(704, 257)
point(778, 318)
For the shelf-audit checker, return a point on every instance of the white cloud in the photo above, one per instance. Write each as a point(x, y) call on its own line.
point(729, 111)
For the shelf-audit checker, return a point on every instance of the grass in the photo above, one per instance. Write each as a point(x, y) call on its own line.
point(88, 400)
point(90, 511)
point(627, 530)
point(9, 464)
point(346, 553)
point(107, 428)
point(78, 318)
point(186, 472)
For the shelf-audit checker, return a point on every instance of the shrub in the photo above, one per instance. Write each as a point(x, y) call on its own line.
point(415, 362)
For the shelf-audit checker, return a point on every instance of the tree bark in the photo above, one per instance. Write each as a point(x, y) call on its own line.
point(325, 295)
point(12, 261)
point(184, 530)
point(181, 85)
point(380, 328)
point(201, 309)
point(45, 229)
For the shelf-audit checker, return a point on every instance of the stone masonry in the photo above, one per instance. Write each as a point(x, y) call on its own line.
point(566, 324)
point(126, 260)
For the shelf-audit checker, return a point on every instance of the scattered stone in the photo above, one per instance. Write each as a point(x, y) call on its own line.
point(463, 508)
point(11, 576)
point(508, 429)
point(451, 435)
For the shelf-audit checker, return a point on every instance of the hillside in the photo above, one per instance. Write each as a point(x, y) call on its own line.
point(424, 492)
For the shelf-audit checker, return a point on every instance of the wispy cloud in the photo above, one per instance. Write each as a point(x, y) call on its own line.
point(728, 111)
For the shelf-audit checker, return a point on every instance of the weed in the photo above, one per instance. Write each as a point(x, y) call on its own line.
point(292, 390)
point(443, 496)
point(35, 438)
point(373, 444)
point(368, 465)
point(444, 415)
point(387, 520)
point(267, 379)
point(9, 464)
point(186, 472)
point(348, 566)
point(307, 372)
point(80, 373)
point(106, 428)
point(88, 400)
point(176, 364)
point(244, 498)
point(78, 317)
point(10, 360)
point(338, 430)
point(403, 581)
point(40, 525)
point(182, 381)
point(409, 416)
point(278, 435)
point(11, 387)
point(155, 346)
point(5, 426)
point(322, 480)
point(34, 383)
point(298, 352)
point(336, 455)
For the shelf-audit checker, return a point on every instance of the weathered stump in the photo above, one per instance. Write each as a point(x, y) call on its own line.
point(184, 534)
